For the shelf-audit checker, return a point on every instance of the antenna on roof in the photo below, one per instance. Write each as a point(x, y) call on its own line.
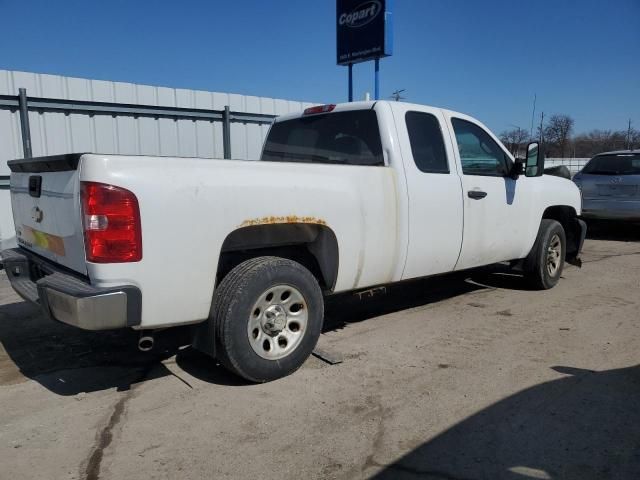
point(397, 95)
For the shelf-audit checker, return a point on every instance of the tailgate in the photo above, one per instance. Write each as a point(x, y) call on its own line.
point(45, 200)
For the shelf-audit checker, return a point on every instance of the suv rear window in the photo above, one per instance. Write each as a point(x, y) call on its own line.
point(621, 164)
point(349, 138)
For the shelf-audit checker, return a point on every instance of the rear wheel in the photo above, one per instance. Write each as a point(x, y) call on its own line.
point(268, 314)
point(544, 264)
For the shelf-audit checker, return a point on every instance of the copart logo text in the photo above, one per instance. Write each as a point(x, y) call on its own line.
point(361, 15)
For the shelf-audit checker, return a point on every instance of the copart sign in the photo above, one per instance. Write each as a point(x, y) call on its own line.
point(363, 30)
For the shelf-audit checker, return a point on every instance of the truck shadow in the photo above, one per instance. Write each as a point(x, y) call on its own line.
point(342, 309)
point(583, 426)
point(68, 361)
point(350, 307)
point(616, 231)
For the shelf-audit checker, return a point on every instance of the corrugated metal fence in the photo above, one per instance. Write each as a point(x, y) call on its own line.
point(68, 114)
point(74, 114)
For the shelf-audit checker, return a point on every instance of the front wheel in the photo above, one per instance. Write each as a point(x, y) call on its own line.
point(543, 266)
point(268, 314)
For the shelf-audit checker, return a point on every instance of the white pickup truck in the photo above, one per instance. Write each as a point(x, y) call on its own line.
point(345, 197)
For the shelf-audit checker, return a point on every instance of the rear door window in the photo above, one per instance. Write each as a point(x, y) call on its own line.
point(345, 138)
point(427, 144)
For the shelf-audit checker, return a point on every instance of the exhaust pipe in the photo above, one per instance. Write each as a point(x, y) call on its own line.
point(145, 342)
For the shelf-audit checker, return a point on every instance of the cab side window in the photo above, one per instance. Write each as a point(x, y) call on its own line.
point(479, 153)
point(427, 144)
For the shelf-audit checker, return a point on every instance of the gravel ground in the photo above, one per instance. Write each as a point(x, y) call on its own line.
point(466, 376)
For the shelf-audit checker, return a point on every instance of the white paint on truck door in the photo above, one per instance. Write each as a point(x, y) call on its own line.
point(435, 194)
point(497, 208)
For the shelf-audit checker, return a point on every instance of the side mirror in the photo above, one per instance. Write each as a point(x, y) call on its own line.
point(535, 160)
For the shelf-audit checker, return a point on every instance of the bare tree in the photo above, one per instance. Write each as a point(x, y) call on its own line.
point(598, 141)
point(633, 138)
point(514, 139)
point(557, 132)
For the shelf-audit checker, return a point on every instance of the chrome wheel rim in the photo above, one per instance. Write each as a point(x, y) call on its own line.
point(554, 255)
point(277, 322)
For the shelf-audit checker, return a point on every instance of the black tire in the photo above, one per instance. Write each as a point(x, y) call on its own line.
point(233, 304)
point(536, 266)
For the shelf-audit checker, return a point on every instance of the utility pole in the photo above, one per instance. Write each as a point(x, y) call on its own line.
point(533, 113)
point(397, 95)
point(629, 136)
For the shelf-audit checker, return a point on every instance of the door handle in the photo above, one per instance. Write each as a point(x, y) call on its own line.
point(476, 194)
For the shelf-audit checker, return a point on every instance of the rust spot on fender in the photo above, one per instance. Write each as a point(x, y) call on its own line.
point(272, 220)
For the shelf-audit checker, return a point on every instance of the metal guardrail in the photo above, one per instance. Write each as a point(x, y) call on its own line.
point(24, 104)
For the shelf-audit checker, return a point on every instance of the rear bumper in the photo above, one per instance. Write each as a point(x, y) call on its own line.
point(611, 209)
point(69, 299)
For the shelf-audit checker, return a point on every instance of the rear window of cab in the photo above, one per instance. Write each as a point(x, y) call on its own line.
point(341, 138)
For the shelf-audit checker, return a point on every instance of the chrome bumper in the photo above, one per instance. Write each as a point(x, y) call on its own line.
point(69, 299)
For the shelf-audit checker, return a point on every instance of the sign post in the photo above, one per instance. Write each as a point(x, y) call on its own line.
point(364, 32)
point(376, 90)
point(351, 82)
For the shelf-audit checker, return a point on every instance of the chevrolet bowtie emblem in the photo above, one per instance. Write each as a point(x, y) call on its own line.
point(37, 214)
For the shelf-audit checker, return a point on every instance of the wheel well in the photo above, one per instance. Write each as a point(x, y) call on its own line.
point(567, 217)
point(314, 246)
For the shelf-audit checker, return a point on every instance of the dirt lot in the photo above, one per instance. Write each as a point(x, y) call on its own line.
point(470, 376)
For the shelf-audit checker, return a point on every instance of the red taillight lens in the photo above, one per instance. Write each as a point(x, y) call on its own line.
point(319, 109)
point(112, 231)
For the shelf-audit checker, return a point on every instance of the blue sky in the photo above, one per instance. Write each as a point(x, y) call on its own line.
point(485, 58)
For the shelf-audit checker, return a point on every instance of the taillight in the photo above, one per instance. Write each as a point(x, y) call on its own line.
point(112, 231)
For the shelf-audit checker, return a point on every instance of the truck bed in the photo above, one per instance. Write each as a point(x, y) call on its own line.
point(189, 206)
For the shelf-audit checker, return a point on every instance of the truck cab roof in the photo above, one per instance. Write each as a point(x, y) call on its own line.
point(364, 105)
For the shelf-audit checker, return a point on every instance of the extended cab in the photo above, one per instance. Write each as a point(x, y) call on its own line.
point(345, 197)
